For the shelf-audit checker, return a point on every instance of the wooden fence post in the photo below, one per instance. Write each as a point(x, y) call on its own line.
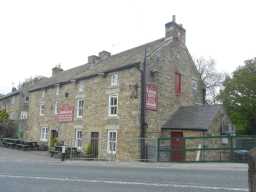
point(252, 170)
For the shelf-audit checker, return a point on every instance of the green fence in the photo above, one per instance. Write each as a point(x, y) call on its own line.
point(205, 149)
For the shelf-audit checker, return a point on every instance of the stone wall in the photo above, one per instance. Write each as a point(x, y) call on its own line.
point(172, 58)
point(252, 170)
point(95, 93)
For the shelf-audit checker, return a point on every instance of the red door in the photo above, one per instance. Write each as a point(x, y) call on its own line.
point(177, 146)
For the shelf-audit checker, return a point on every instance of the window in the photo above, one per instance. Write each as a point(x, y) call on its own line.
point(44, 134)
point(42, 109)
point(194, 84)
point(80, 86)
point(13, 116)
point(112, 141)
point(58, 89)
point(194, 87)
point(23, 115)
point(114, 80)
point(78, 139)
point(26, 99)
point(178, 83)
point(13, 100)
point(80, 108)
point(56, 108)
point(113, 105)
point(43, 93)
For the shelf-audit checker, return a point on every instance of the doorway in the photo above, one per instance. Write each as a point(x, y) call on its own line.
point(177, 146)
point(95, 144)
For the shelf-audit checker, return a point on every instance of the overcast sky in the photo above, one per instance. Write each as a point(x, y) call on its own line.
point(36, 35)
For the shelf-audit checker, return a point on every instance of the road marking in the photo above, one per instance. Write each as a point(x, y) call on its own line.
point(122, 182)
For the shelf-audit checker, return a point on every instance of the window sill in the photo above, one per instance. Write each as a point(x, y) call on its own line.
point(113, 117)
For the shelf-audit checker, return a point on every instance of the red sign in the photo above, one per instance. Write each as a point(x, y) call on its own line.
point(65, 113)
point(151, 97)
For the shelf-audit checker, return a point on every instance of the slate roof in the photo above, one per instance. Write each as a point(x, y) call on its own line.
point(196, 117)
point(9, 95)
point(118, 61)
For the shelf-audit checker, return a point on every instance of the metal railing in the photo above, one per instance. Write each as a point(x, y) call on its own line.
point(206, 149)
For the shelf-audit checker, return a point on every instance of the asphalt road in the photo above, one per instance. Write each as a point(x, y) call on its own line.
point(36, 172)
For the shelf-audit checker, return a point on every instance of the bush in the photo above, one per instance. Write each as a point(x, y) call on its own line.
point(88, 149)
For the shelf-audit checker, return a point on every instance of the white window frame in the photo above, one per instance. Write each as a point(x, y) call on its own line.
point(44, 134)
point(41, 109)
point(111, 142)
point(78, 139)
point(43, 93)
point(57, 89)
point(78, 108)
point(110, 106)
point(13, 100)
point(80, 86)
point(194, 85)
point(114, 80)
point(23, 115)
point(56, 108)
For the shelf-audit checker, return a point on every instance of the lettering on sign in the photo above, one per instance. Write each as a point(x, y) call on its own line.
point(66, 113)
point(151, 97)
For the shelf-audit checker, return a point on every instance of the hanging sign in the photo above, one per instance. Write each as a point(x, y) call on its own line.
point(66, 113)
point(151, 97)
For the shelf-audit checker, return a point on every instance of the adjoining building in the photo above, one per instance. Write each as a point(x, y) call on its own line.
point(16, 104)
point(117, 103)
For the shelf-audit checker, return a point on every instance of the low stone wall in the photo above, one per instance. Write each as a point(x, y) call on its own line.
point(252, 170)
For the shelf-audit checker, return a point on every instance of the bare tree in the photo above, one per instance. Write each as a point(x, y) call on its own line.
point(212, 79)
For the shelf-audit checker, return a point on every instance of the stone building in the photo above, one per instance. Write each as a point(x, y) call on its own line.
point(16, 104)
point(117, 103)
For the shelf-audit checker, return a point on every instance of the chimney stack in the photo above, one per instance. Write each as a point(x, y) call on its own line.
point(175, 31)
point(14, 89)
point(57, 69)
point(93, 59)
point(104, 55)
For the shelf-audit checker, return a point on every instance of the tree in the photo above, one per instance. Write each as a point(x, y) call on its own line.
point(7, 127)
point(3, 116)
point(212, 79)
point(239, 97)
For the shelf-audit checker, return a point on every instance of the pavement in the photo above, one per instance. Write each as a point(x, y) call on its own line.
point(26, 171)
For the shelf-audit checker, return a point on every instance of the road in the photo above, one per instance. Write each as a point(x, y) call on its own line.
point(36, 172)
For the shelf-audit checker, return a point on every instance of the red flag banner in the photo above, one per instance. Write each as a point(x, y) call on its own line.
point(151, 97)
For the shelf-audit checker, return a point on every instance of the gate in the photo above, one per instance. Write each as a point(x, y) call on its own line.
point(205, 149)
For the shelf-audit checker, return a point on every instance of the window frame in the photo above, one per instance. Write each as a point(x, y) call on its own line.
point(110, 142)
point(178, 84)
point(112, 106)
point(78, 108)
point(114, 82)
point(78, 140)
point(80, 86)
point(57, 89)
point(44, 134)
point(43, 93)
point(42, 109)
point(23, 115)
point(56, 107)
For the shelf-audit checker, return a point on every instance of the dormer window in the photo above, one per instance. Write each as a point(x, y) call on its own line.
point(114, 80)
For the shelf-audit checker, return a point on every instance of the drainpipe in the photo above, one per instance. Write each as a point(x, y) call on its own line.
point(142, 108)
